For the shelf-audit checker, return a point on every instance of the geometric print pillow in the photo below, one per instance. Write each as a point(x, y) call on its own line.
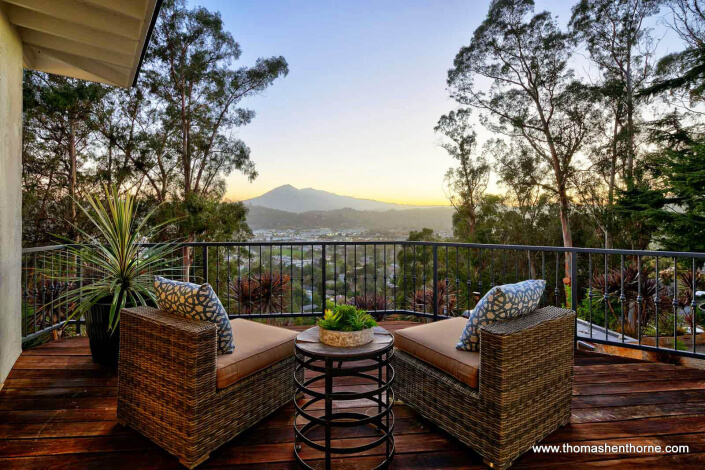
point(500, 303)
point(196, 302)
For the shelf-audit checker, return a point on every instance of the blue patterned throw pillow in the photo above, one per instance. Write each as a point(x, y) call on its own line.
point(197, 302)
point(500, 303)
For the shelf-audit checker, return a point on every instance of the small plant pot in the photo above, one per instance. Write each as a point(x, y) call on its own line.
point(346, 339)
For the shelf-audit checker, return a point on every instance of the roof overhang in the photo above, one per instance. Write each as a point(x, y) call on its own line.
point(98, 40)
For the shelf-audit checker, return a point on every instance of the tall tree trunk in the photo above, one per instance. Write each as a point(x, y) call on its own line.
point(630, 125)
point(612, 183)
point(184, 147)
point(613, 163)
point(110, 161)
point(186, 262)
point(472, 221)
point(565, 227)
point(72, 176)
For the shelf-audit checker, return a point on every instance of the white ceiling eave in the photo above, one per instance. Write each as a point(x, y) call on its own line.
point(97, 40)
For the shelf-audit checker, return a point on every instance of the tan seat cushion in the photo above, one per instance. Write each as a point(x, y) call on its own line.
point(257, 346)
point(434, 343)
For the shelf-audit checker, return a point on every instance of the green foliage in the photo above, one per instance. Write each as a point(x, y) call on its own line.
point(346, 318)
point(114, 266)
point(679, 182)
point(58, 146)
point(204, 217)
point(596, 311)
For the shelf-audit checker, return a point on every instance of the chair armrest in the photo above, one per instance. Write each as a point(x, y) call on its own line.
point(166, 354)
point(528, 356)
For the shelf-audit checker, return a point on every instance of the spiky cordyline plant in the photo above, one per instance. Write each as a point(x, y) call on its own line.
point(371, 302)
point(114, 265)
point(422, 299)
point(264, 293)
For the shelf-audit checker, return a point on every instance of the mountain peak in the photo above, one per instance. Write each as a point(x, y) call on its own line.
point(288, 198)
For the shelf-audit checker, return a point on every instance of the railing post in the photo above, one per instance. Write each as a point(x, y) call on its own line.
point(574, 291)
point(435, 282)
point(205, 264)
point(323, 277)
point(79, 273)
point(574, 281)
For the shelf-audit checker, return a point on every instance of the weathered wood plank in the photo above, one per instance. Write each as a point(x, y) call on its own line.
point(61, 374)
point(405, 443)
point(56, 392)
point(631, 428)
point(624, 368)
point(632, 399)
point(638, 387)
point(59, 403)
point(52, 362)
point(641, 376)
point(60, 383)
point(56, 416)
point(76, 342)
point(61, 351)
point(58, 429)
point(622, 413)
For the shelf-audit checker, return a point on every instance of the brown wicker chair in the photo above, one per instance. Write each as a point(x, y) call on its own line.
point(524, 387)
point(167, 385)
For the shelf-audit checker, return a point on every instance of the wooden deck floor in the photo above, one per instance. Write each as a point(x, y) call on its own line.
point(57, 410)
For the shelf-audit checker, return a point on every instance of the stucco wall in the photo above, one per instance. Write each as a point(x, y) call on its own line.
point(10, 195)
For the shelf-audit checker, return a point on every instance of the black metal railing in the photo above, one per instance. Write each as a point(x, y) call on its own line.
point(636, 299)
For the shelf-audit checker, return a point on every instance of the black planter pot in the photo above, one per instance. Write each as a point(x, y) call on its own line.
point(105, 344)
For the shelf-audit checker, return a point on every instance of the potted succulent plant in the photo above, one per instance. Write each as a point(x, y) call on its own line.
point(346, 326)
point(112, 269)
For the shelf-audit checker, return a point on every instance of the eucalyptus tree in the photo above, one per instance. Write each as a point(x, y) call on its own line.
point(190, 73)
point(621, 45)
point(467, 182)
point(120, 121)
point(190, 69)
point(681, 74)
point(532, 95)
point(58, 144)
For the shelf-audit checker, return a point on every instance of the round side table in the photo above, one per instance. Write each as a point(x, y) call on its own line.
point(370, 362)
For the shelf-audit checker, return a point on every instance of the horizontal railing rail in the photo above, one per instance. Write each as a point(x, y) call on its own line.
point(630, 298)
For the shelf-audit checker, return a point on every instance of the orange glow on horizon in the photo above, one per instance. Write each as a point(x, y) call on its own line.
point(248, 193)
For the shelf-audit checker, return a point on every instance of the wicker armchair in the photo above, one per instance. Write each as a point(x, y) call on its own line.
point(524, 387)
point(167, 385)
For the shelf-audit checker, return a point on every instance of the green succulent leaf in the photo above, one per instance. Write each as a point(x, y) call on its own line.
point(346, 318)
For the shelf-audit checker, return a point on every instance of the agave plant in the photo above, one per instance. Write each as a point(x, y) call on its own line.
point(446, 299)
point(114, 266)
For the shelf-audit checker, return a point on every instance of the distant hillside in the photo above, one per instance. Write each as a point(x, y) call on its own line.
point(437, 218)
point(290, 199)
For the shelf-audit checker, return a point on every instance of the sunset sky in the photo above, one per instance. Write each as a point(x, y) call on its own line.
point(366, 86)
